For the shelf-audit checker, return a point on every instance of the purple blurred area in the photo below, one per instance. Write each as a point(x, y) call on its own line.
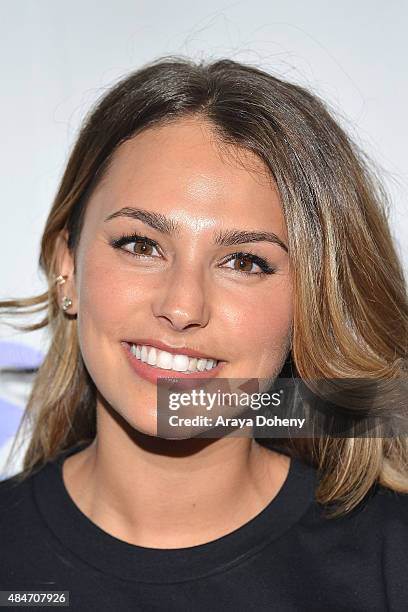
point(14, 355)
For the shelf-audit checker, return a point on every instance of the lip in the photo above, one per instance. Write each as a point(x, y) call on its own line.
point(172, 349)
point(151, 373)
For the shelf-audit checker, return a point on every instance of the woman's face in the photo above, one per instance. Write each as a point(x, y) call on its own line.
point(187, 291)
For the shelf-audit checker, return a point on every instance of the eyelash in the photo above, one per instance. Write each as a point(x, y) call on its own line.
point(128, 238)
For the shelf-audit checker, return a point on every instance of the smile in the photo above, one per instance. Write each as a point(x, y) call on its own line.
point(169, 361)
point(140, 356)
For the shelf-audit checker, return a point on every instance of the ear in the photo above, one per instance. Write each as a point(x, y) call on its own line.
point(65, 266)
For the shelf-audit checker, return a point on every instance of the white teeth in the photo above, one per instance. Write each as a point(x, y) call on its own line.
point(168, 361)
point(192, 364)
point(201, 364)
point(180, 363)
point(151, 356)
point(164, 360)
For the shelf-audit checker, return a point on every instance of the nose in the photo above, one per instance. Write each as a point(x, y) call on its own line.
point(182, 301)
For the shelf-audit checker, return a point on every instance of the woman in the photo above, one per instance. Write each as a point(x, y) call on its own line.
point(220, 214)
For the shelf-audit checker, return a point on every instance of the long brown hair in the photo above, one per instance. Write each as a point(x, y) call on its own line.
point(351, 308)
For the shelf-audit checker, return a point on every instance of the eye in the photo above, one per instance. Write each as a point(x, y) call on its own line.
point(142, 245)
point(243, 262)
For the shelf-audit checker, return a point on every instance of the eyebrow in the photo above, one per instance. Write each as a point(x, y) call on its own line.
point(227, 237)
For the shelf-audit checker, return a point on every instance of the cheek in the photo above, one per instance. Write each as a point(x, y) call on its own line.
point(275, 321)
point(110, 307)
point(260, 321)
point(259, 325)
point(100, 300)
point(109, 299)
point(98, 314)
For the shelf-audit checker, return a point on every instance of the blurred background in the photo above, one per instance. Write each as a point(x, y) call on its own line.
point(58, 58)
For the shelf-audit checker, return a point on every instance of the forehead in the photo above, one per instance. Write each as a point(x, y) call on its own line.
point(182, 169)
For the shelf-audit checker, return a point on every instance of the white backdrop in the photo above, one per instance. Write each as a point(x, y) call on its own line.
point(57, 58)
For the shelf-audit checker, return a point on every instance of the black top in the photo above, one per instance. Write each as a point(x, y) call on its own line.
point(288, 558)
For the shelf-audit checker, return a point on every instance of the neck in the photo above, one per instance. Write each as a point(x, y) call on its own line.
point(162, 493)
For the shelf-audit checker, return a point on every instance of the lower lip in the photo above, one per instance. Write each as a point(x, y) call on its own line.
point(151, 373)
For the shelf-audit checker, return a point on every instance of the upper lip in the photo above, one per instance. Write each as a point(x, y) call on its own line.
point(180, 350)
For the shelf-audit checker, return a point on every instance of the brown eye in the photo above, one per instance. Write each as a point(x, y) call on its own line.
point(241, 266)
point(142, 248)
point(243, 262)
point(137, 246)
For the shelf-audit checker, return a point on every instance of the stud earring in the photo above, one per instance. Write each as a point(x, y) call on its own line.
point(60, 279)
point(66, 303)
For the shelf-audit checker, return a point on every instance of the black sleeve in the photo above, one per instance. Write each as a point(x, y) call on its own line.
point(395, 548)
